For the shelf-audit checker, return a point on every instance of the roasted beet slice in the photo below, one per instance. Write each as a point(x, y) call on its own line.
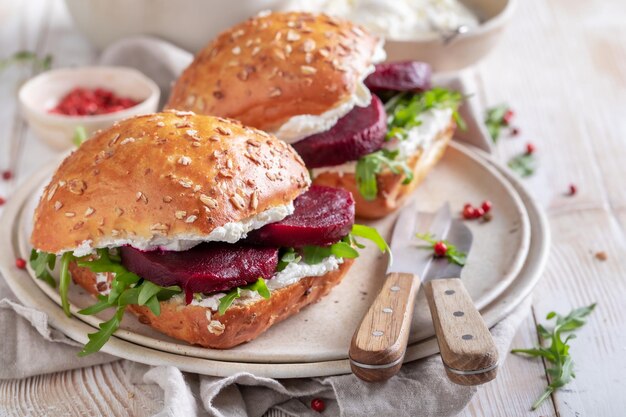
point(358, 133)
point(322, 216)
point(400, 76)
point(206, 268)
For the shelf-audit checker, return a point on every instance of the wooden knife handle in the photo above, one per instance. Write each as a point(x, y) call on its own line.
point(467, 348)
point(379, 344)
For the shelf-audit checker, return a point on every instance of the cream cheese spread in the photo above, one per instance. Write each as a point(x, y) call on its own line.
point(293, 273)
point(230, 233)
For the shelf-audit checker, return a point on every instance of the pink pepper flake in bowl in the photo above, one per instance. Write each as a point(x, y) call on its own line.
point(87, 102)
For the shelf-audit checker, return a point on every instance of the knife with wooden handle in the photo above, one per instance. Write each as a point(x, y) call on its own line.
point(467, 349)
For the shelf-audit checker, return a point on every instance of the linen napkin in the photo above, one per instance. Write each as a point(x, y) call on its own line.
point(31, 347)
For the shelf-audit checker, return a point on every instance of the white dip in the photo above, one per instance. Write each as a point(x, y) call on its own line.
point(396, 19)
point(293, 273)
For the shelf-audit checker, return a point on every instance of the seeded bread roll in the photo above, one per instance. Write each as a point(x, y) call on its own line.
point(240, 323)
point(391, 191)
point(164, 176)
point(273, 67)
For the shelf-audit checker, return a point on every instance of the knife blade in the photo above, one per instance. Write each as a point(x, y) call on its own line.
point(379, 344)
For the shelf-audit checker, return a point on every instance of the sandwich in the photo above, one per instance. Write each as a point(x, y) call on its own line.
point(207, 230)
point(320, 84)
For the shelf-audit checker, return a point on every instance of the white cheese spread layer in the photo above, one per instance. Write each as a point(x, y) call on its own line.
point(293, 273)
point(230, 232)
point(419, 137)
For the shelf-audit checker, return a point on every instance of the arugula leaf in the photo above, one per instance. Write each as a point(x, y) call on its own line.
point(101, 305)
point(22, 57)
point(370, 233)
point(290, 255)
point(524, 164)
point(404, 109)
point(494, 120)
point(64, 281)
point(228, 299)
point(42, 263)
point(562, 371)
point(453, 255)
point(148, 291)
point(369, 166)
point(259, 286)
point(80, 136)
point(126, 288)
point(315, 254)
point(153, 305)
point(107, 328)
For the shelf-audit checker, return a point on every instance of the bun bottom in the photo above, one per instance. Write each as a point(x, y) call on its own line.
point(240, 323)
point(391, 191)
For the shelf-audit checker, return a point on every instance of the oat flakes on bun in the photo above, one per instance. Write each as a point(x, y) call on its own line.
point(320, 84)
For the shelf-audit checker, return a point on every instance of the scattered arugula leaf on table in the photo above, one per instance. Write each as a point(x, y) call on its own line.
point(557, 353)
point(495, 120)
point(22, 57)
point(524, 164)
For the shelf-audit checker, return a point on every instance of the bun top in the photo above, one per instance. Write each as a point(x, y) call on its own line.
point(165, 177)
point(276, 66)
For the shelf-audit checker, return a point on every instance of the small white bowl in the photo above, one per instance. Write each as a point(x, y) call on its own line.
point(42, 93)
point(465, 49)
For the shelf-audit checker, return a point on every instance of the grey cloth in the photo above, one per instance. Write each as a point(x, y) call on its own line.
point(31, 347)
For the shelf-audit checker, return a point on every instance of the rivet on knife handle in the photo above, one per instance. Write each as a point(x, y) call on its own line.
point(379, 344)
point(467, 348)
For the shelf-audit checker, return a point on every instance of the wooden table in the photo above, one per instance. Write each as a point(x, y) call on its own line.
point(562, 66)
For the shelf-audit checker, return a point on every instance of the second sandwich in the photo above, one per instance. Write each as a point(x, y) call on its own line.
point(319, 83)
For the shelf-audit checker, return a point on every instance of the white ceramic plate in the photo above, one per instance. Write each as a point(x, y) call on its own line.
point(519, 288)
point(320, 333)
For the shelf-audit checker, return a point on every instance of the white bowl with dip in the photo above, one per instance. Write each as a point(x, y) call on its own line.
point(424, 30)
point(465, 49)
point(43, 92)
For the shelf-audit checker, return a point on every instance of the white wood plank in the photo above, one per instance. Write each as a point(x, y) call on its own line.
point(566, 79)
point(574, 278)
point(95, 391)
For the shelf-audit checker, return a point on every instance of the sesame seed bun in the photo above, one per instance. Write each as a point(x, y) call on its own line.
point(167, 175)
point(274, 67)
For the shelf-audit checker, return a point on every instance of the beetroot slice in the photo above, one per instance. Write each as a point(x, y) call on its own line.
point(400, 76)
point(358, 133)
point(322, 216)
point(206, 268)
